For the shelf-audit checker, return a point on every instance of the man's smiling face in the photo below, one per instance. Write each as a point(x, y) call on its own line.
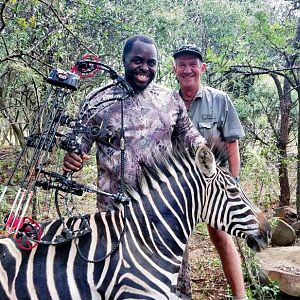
point(188, 69)
point(140, 65)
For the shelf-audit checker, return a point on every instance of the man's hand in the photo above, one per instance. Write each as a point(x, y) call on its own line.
point(74, 162)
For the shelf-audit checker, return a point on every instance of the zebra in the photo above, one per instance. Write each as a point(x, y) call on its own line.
point(172, 196)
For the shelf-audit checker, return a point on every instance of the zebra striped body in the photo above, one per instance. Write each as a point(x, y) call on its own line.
point(171, 198)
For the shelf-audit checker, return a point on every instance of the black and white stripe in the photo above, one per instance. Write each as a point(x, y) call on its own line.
point(171, 198)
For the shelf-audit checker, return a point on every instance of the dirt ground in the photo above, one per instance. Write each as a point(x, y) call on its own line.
point(208, 280)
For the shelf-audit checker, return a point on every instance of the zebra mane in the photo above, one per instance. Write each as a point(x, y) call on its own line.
point(219, 150)
point(160, 164)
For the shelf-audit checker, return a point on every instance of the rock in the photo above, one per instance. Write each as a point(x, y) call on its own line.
point(282, 264)
point(296, 227)
point(283, 234)
point(288, 214)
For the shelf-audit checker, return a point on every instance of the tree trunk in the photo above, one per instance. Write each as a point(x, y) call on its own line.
point(296, 45)
point(284, 95)
point(285, 107)
point(16, 129)
point(298, 161)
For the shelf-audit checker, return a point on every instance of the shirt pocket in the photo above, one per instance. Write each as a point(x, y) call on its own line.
point(209, 129)
point(206, 125)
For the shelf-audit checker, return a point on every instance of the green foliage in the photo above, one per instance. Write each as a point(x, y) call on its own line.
point(269, 292)
point(38, 36)
point(258, 107)
point(273, 222)
point(258, 284)
point(202, 229)
point(260, 175)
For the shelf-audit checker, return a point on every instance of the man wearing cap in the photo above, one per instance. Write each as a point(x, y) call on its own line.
point(213, 114)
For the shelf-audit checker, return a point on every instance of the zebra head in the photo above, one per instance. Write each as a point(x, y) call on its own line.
point(187, 187)
point(226, 206)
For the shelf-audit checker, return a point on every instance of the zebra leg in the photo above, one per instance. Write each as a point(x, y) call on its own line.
point(184, 288)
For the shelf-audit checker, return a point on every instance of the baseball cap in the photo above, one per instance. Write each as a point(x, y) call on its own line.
point(188, 49)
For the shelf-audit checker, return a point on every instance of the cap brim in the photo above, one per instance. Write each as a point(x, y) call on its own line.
point(182, 52)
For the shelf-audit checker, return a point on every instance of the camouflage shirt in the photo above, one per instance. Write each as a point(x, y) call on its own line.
point(154, 120)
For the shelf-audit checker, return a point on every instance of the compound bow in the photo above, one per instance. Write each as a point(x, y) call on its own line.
point(40, 143)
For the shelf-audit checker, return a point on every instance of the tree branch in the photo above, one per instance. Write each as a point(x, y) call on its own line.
point(260, 70)
point(64, 26)
point(256, 136)
point(1, 15)
point(257, 70)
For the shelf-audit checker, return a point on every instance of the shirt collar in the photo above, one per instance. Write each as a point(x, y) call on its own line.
point(199, 93)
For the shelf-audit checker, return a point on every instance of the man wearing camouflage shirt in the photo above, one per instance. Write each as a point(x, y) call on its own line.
point(153, 121)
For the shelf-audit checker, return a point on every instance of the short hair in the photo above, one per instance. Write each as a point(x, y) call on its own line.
point(140, 37)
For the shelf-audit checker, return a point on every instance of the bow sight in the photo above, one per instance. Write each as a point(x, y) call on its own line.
point(43, 139)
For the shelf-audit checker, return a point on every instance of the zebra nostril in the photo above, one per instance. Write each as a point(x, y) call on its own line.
point(258, 243)
point(252, 243)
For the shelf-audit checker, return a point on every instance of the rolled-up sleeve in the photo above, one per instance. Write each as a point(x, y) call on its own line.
point(232, 128)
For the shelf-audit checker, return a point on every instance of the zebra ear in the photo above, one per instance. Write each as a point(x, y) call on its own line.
point(205, 160)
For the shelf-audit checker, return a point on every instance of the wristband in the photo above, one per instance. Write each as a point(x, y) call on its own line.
point(240, 298)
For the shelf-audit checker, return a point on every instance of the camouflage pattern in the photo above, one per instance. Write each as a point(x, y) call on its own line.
point(154, 120)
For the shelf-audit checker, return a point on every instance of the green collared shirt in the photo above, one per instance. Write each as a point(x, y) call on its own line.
point(213, 114)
